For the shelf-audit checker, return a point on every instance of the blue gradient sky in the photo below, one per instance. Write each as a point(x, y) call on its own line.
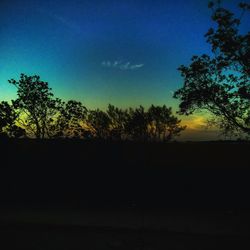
point(74, 45)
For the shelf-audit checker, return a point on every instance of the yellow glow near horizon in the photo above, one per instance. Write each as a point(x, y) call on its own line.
point(195, 122)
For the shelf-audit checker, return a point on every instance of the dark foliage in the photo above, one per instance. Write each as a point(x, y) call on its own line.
point(221, 83)
point(137, 124)
point(69, 122)
point(99, 123)
point(35, 105)
point(118, 119)
point(36, 113)
point(164, 126)
point(8, 117)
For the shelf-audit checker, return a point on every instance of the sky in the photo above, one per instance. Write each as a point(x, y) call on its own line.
point(124, 52)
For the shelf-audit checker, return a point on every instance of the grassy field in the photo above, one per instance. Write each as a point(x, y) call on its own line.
point(120, 174)
point(176, 195)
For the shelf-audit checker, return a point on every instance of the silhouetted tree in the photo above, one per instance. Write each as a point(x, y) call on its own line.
point(158, 123)
point(118, 119)
point(70, 123)
point(99, 123)
point(8, 117)
point(36, 113)
point(137, 124)
point(36, 106)
point(221, 83)
point(163, 125)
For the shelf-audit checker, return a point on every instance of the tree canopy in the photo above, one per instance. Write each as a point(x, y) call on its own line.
point(220, 82)
point(35, 105)
point(36, 113)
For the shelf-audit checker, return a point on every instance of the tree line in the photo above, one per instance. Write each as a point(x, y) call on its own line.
point(218, 82)
point(36, 113)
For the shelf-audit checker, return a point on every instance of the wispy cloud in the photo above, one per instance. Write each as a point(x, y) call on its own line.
point(60, 19)
point(121, 65)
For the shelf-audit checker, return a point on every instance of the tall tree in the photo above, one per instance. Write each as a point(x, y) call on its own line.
point(99, 123)
point(70, 123)
point(36, 106)
point(137, 124)
point(220, 83)
point(118, 119)
point(163, 124)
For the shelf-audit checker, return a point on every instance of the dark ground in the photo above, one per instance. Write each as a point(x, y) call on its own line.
point(63, 237)
point(184, 182)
